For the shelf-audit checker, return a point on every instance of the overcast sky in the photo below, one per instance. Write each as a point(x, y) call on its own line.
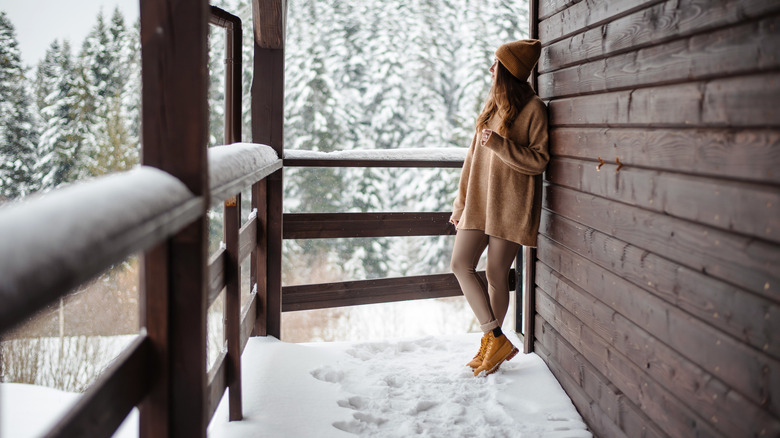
point(39, 22)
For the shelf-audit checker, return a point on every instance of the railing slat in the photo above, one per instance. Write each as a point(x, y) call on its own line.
point(101, 410)
point(248, 319)
point(217, 383)
point(382, 290)
point(335, 225)
point(216, 275)
point(247, 239)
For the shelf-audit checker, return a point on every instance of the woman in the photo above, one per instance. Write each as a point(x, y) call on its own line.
point(499, 200)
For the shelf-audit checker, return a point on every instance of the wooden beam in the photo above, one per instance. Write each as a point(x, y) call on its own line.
point(216, 270)
point(751, 155)
point(668, 24)
point(671, 415)
point(101, 410)
point(678, 340)
point(232, 217)
point(259, 261)
point(270, 22)
point(739, 260)
point(335, 225)
point(529, 295)
point(312, 162)
point(270, 17)
point(751, 318)
point(218, 381)
point(247, 239)
point(681, 60)
point(587, 15)
point(603, 406)
point(738, 102)
point(383, 290)
point(748, 209)
point(174, 53)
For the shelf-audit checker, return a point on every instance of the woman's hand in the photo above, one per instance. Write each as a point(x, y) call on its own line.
point(486, 133)
point(454, 222)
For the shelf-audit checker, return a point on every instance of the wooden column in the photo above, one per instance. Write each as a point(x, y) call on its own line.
point(267, 128)
point(233, 304)
point(175, 123)
point(529, 254)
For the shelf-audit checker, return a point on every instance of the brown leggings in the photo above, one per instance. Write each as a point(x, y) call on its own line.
point(490, 303)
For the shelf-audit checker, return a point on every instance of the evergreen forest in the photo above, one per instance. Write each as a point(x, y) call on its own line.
point(369, 74)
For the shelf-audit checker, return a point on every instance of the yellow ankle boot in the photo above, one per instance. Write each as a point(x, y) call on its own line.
point(499, 349)
point(477, 361)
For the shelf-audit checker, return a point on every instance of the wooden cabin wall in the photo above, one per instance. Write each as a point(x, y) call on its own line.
point(658, 282)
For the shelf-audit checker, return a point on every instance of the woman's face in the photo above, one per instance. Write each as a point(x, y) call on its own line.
point(493, 68)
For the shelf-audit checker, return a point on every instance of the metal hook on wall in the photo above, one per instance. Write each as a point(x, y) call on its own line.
point(601, 163)
point(620, 165)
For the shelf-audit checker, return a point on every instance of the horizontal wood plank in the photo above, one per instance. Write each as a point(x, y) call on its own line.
point(335, 225)
point(731, 51)
point(586, 15)
point(744, 101)
point(383, 290)
point(741, 261)
point(217, 383)
point(548, 8)
point(673, 333)
point(248, 317)
point(103, 408)
point(216, 275)
point(247, 239)
point(609, 409)
point(660, 23)
point(750, 318)
point(306, 162)
point(598, 421)
point(744, 154)
point(670, 414)
point(749, 209)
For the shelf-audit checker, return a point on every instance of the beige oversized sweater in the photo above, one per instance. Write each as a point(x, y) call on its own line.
point(501, 184)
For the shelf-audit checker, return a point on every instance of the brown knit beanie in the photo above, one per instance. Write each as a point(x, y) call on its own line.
point(519, 57)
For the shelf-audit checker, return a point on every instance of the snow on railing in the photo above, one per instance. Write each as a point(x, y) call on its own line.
point(236, 166)
point(434, 155)
point(53, 242)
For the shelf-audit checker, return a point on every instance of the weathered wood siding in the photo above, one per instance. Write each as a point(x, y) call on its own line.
point(658, 282)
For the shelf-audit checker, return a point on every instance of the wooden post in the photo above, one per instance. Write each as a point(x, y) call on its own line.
point(270, 18)
point(529, 254)
point(259, 259)
point(175, 123)
point(519, 309)
point(232, 226)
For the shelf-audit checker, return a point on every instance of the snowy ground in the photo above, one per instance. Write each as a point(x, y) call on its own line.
point(395, 388)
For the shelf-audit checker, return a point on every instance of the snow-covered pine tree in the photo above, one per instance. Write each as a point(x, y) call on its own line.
point(103, 61)
point(60, 146)
point(18, 135)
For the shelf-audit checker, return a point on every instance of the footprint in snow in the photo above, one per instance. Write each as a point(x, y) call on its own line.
point(328, 374)
point(356, 402)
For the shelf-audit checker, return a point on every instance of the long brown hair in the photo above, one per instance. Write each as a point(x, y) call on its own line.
point(507, 97)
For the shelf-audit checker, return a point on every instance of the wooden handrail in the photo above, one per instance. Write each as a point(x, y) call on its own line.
point(71, 235)
point(101, 410)
point(336, 225)
point(410, 157)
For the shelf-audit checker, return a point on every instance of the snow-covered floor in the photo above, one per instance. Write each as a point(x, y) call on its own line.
point(394, 388)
